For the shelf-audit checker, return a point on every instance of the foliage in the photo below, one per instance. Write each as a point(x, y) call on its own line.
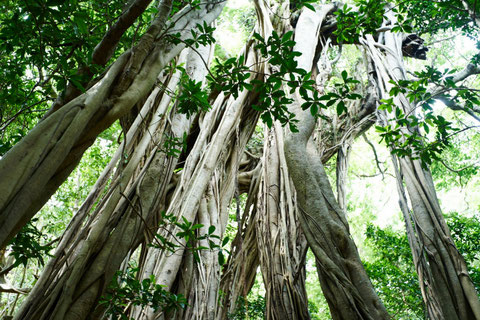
point(202, 37)
point(192, 98)
point(459, 163)
point(252, 307)
point(11, 139)
point(364, 20)
point(445, 15)
point(27, 245)
point(393, 273)
point(174, 146)
point(126, 291)
point(189, 232)
point(338, 97)
point(42, 45)
point(419, 92)
point(465, 233)
point(45, 41)
point(178, 5)
point(286, 78)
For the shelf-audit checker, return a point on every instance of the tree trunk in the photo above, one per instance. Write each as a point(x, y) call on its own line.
point(447, 289)
point(282, 245)
point(36, 166)
point(345, 284)
point(239, 273)
point(204, 191)
point(86, 260)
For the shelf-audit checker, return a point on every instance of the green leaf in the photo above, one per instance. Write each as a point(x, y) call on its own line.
point(267, 118)
point(196, 226)
point(341, 107)
point(225, 241)
point(287, 36)
point(221, 258)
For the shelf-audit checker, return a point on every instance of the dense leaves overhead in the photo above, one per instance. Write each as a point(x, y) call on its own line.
point(442, 15)
point(42, 45)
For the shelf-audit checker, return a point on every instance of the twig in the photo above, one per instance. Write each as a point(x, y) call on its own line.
point(377, 161)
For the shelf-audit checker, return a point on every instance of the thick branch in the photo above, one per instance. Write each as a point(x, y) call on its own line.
point(103, 51)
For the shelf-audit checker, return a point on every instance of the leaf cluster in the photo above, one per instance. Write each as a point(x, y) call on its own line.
point(425, 16)
point(202, 35)
point(411, 142)
point(189, 232)
point(173, 146)
point(366, 19)
point(338, 97)
point(275, 89)
point(42, 45)
point(393, 273)
point(249, 308)
point(126, 291)
point(192, 98)
point(27, 245)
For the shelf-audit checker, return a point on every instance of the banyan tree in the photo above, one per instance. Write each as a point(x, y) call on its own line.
point(198, 134)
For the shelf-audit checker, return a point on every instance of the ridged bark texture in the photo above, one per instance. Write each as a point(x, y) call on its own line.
point(447, 290)
point(36, 166)
point(88, 256)
point(281, 242)
point(345, 284)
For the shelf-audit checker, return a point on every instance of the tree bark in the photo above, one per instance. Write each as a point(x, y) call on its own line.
point(447, 289)
point(345, 284)
point(86, 260)
point(36, 166)
point(239, 273)
point(282, 244)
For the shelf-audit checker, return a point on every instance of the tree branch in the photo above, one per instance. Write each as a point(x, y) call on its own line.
point(103, 51)
point(377, 161)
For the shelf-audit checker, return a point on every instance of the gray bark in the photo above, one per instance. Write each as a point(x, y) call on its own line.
point(345, 284)
point(36, 166)
point(86, 260)
point(281, 242)
point(238, 275)
point(447, 289)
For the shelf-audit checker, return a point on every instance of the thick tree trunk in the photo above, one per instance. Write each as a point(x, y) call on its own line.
point(447, 289)
point(239, 273)
point(212, 181)
point(86, 260)
point(33, 170)
point(282, 245)
point(204, 191)
point(345, 284)
point(275, 250)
